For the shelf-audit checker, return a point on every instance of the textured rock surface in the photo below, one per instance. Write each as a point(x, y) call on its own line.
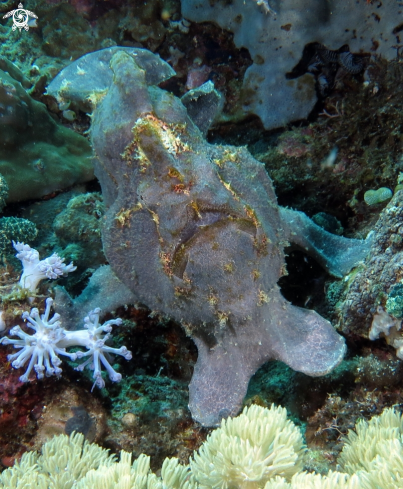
point(15, 229)
point(276, 38)
point(368, 286)
point(195, 231)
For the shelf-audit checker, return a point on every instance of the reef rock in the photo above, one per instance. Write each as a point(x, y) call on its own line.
point(194, 230)
point(275, 32)
point(368, 286)
point(37, 155)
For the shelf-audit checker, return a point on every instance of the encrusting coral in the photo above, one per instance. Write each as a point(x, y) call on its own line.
point(15, 229)
point(259, 449)
point(195, 232)
point(38, 156)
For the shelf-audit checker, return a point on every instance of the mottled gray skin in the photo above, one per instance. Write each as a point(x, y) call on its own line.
point(104, 290)
point(83, 82)
point(194, 230)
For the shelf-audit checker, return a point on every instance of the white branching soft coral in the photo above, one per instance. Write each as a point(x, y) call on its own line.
point(50, 340)
point(36, 270)
point(96, 348)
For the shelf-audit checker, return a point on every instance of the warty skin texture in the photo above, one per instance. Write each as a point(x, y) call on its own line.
point(194, 230)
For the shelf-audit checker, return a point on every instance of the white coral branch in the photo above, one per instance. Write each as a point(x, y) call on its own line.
point(42, 349)
point(35, 270)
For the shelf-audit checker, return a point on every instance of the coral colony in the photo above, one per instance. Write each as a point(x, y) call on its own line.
point(259, 449)
point(35, 270)
point(42, 349)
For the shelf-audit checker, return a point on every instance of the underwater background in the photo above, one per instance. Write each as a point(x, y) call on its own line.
point(247, 104)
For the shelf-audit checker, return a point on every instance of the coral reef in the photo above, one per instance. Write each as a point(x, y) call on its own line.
point(38, 470)
point(66, 411)
point(258, 449)
point(374, 451)
point(60, 34)
point(352, 145)
point(148, 408)
point(340, 165)
point(150, 416)
point(33, 412)
point(327, 66)
point(144, 24)
point(81, 422)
